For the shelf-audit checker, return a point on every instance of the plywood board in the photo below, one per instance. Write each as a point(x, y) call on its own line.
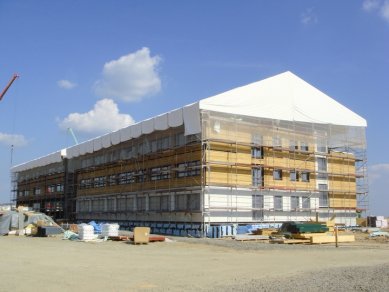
point(331, 238)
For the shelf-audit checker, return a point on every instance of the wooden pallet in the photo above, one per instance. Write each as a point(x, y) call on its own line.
point(291, 241)
point(152, 238)
point(251, 237)
point(118, 238)
point(308, 235)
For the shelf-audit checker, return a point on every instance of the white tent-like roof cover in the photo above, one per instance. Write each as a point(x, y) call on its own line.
point(281, 97)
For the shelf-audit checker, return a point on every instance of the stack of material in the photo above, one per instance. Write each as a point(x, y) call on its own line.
point(381, 222)
point(141, 235)
point(311, 232)
point(24, 222)
point(304, 227)
point(377, 221)
point(328, 237)
point(110, 230)
point(86, 232)
point(265, 231)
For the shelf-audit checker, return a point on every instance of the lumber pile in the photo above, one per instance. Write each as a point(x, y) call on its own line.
point(312, 233)
point(290, 241)
point(265, 231)
point(245, 237)
point(332, 238)
point(304, 227)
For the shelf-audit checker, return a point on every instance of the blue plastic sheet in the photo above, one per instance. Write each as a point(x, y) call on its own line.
point(96, 226)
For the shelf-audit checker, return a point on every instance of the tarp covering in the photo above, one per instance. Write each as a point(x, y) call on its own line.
point(282, 97)
point(42, 161)
point(161, 122)
point(18, 220)
point(191, 119)
point(115, 137)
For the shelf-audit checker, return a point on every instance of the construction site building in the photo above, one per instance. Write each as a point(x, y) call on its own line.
point(272, 151)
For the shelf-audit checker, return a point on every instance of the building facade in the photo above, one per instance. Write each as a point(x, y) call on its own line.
point(272, 151)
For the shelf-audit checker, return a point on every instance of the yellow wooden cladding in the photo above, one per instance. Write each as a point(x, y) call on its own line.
point(342, 203)
point(230, 165)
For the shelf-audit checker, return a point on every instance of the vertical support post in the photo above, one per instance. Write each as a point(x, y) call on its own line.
point(336, 236)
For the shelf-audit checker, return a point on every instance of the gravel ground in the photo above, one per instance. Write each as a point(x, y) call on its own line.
point(366, 278)
point(189, 264)
point(370, 278)
point(362, 242)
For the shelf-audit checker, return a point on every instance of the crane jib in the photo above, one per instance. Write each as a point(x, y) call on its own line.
point(8, 86)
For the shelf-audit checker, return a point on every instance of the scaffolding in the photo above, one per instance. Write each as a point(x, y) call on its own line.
point(237, 170)
point(263, 170)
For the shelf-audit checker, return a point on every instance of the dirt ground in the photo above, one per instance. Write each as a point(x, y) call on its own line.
point(53, 264)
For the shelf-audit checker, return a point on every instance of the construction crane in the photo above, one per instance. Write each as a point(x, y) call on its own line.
point(70, 130)
point(8, 86)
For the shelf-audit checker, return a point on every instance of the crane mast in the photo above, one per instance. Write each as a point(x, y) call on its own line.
point(8, 86)
point(73, 135)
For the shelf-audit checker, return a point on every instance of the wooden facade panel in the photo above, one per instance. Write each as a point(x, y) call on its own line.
point(233, 176)
point(341, 168)
point(342, 203)
point(283, 161)
point(229, 157)
point(342, 186)
point(229, 147)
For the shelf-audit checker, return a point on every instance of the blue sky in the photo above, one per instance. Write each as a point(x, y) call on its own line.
point(75, 59)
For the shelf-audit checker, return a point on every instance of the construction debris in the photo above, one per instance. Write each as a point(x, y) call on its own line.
point(379, 234)
point(21, 221)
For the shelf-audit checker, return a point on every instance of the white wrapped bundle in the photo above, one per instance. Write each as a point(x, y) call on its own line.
point(86, 232)
point(110, 230)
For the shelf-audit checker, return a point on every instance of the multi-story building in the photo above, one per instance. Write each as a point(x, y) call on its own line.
point(271, 151)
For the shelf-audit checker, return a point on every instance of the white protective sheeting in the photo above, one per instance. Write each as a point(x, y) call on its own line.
point(89, 146)
point(106, 140)
point(136, 130)
point(192, 119)
point(115, 137)
point(42, 161)
point(175, 118)
point(125, 134)
point(283, 97)
point(147, 126)
point(83, 148)
point(73, 151)
point(161, 122)
point(63, 153)
point(97, 144)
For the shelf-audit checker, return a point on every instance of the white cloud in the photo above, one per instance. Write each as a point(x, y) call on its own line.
point(131, 77)
point(385, 11)
point(66, 84)
point(103, 118)
point(369, 5)
point(378, 171)
point(380, 7)
point(12, 139)
point(308, 17)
